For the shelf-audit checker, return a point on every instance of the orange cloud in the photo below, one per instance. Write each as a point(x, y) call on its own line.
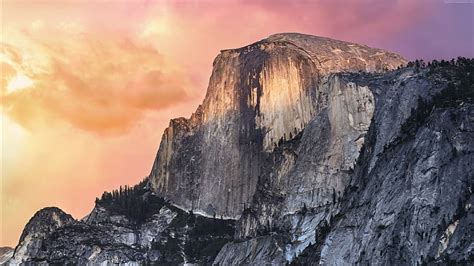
point(98, 82)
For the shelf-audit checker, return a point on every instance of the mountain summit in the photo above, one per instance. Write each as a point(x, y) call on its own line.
point(305, 150)
point(258, 95)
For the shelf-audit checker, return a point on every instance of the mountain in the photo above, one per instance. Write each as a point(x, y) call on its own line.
point(41, 225)
point(129, 225)
point(257, 95)
point(305, 150)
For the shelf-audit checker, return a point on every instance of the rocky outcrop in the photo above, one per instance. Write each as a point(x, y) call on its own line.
point(6, 254)
point(43, 223)
point(257, 95)
point(265, 250)
point(111, 234)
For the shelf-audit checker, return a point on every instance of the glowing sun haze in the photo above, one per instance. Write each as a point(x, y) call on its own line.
point(89, 86)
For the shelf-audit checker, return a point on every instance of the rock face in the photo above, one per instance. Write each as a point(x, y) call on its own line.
point(257, 95)
point(6, 254)
point(43, 223)
point(414, 187)
point(318, 150)
point(310, 173)
point(399, 200)
point(110, 234)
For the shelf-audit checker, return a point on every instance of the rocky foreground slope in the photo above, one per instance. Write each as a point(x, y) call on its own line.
point(306, 150)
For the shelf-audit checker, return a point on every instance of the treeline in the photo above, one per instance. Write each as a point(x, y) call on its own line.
point(459, 89)
point(132, 202)
point(459, 62)
point(459, 75)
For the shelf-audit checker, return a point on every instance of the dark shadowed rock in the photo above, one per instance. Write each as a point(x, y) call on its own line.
point(113, 234)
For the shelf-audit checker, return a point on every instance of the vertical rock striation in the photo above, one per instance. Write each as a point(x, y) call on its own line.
point(258, 95)
point(413, 190)
point(305, 177)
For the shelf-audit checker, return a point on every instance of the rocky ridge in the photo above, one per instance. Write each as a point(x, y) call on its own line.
point(111, 235)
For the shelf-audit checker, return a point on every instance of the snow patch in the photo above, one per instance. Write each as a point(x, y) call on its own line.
point(204, 214)
point(444, 240)
point(95, 252)
point(57, 219)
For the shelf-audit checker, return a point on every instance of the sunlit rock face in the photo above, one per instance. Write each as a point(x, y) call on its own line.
point(304, 178)
point(368, 180)
point(260, 95)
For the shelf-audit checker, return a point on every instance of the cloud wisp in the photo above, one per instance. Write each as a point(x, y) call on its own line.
point(97, 82)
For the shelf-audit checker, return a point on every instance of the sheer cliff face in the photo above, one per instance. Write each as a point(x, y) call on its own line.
point(314, 168)
point(415, 180)
point(407, 199)
point(259, 95)
point(419, 204)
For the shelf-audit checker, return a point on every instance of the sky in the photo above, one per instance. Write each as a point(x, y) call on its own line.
point(89, 86)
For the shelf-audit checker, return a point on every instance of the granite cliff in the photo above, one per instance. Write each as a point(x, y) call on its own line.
point(257, 95)
point(305, 150)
